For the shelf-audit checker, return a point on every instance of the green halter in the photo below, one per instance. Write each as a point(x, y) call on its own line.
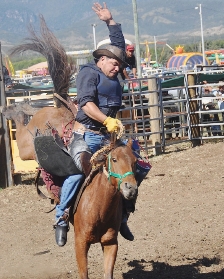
point(116, 175)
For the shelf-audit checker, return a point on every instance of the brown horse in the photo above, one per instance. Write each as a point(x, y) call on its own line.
point(60, 118)
point(99, 213)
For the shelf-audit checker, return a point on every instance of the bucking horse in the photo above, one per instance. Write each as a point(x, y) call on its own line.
point(97, 216)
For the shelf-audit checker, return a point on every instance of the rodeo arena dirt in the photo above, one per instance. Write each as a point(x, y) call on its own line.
point(178, 225)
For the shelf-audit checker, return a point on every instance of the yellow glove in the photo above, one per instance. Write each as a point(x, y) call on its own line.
point(112, 124)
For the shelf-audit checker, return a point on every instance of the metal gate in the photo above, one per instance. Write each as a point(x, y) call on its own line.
point(180, 116)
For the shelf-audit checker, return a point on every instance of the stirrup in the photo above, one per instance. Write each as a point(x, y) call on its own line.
point(64, 217)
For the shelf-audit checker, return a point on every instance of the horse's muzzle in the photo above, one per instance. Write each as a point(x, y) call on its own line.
point(129, 190)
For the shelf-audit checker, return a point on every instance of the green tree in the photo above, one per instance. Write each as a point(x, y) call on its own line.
point(24, 64)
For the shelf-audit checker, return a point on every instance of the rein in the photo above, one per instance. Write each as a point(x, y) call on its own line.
point(116, 175)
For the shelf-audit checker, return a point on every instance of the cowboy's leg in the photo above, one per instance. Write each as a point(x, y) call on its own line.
point(95, 141)
point(53, 184)
point(72, 182)
point(129, 205)
point(140, 174)
point(69, 189)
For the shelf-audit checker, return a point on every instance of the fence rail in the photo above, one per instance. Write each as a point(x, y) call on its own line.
point(176, 112)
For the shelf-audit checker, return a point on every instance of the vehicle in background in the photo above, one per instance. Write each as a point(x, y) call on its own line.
point(19, 81)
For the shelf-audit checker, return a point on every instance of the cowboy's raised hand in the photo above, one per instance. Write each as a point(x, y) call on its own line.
point(103, 13)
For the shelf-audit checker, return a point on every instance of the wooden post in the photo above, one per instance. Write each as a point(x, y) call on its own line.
point(5, 150)
point(193, 106)
point(154, 113)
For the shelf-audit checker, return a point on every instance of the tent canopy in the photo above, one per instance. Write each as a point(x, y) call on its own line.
point(189, 59)
point(38, 66)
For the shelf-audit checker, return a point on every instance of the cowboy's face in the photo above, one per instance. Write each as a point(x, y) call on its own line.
point(109, 66)
point(129, 53)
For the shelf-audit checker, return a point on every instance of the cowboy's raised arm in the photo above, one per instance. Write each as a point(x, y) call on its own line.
point(115, 32)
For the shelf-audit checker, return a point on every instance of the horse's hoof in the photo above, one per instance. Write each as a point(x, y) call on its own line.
point(125, 232)
point(61, 235)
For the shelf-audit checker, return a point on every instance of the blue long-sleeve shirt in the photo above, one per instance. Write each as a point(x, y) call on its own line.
point(87, 79)
point(116, 36)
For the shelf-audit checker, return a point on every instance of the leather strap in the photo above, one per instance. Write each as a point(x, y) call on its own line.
point(69, 104)
point(80, 128)
point(42, 195)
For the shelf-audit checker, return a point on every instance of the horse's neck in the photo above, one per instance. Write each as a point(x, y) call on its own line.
point(65, 112)
point(20, 128)
point(24, 139)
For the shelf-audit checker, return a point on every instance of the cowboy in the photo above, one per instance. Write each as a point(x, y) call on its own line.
point(99, 98)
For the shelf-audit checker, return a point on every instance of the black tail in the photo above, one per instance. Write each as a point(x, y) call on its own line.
point(47, 44)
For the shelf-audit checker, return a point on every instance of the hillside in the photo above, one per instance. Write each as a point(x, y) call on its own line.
point(70, 20)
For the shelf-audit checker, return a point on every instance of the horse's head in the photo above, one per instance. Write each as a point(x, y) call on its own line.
point(10, 111)
point(121, 169)
point(14, 111)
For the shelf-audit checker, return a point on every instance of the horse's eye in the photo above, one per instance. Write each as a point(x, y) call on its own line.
point(114, 160)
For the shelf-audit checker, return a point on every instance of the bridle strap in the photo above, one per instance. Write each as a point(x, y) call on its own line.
point(116, 175)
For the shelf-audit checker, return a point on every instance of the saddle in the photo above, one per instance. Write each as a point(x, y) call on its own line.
point(56, 162)
point(53, 156)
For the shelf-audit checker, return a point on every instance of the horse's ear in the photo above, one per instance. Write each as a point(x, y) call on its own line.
point(130, 142)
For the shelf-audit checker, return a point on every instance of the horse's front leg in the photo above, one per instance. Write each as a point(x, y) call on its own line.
point(81, 250)
point(110, 254)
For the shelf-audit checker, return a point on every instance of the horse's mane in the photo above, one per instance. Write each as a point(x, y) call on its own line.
point(47, 44)
point(100, 156)
point(118, 143)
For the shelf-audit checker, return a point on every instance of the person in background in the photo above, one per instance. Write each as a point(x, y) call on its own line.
point(220, 94)
point(170, 122)
point(206, 88)
point(131, 61)
point(209, 103)
point(6, 78)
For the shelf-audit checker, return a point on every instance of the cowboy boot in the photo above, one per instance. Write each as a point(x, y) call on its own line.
point(124, 229)
point(128, 206)
point(61, 234)
point(61, 228)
